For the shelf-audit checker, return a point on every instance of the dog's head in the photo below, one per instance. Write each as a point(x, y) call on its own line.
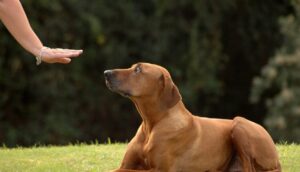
point(144, 80)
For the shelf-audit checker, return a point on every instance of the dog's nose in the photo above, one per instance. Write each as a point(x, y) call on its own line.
point(108, 74)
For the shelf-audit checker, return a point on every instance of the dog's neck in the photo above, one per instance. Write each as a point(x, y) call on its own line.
point(152, 113)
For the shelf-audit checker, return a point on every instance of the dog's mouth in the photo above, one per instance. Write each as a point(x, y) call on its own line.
point(124, 94)
point(112, 86)
point(108, 84)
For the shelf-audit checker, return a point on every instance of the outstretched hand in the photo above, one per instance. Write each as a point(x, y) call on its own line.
point(58, 55)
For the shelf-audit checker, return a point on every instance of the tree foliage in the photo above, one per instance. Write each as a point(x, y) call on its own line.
point(279, 82)
point(212, 49)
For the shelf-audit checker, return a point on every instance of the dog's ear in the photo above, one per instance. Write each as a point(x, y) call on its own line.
point(169, 95)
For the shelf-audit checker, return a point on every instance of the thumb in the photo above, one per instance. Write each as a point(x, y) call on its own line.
point(63, 60)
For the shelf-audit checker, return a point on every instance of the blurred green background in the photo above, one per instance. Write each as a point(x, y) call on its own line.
point(228, 58)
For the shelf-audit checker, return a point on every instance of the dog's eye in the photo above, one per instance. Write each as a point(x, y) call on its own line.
point(138, 69)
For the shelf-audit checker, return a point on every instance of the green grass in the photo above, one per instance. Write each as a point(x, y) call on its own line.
point(289, 157)
point(98, 158)
point(81, 158)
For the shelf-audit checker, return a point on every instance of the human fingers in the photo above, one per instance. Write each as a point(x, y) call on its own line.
point(65, 54)
point(59, 53)
point(66, 50)
point(73, 50)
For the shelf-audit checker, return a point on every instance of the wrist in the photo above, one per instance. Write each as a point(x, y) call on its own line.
point(39, 57)
point(36, 50)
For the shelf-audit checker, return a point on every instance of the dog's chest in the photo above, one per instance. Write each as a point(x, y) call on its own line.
point(160, 155)
point(176, 156)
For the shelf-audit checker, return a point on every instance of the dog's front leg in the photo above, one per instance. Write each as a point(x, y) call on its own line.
point(134, 159)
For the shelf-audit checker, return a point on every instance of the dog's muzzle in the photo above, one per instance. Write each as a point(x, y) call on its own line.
point(108, 76)
point(113, 84)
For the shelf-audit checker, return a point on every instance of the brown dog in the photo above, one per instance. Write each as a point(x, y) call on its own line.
point(171, 139)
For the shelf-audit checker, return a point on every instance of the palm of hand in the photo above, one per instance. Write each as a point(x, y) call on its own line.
point(58, 55)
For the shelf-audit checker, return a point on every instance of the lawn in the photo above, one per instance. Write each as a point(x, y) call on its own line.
point(98, 158)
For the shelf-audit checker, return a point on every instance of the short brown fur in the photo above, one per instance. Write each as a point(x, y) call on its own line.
point(171, 139)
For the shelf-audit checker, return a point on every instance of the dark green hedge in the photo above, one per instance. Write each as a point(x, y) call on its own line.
point(212, 48)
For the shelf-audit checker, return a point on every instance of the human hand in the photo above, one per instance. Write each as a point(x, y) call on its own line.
point(57, 55)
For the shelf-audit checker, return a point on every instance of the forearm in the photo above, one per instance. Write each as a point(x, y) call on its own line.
point(14, 18)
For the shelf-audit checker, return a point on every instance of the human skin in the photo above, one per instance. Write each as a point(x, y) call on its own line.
point(14, 18)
